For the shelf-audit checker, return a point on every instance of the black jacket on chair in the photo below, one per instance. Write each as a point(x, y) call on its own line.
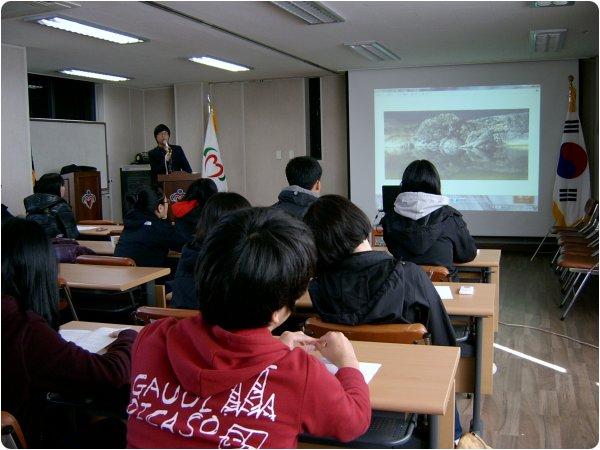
point(439, 238)
point(53, 213)
point(147, 239)
point(295, 201)
point(372, 287)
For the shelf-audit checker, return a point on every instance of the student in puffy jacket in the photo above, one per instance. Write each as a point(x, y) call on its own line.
point(147, 236)
point(35, 358)
point(422, 228)
point(184, 285)
point(304, 176)
point(221, 379)
point(356, 285)
point(187, 210)
point(48, 207)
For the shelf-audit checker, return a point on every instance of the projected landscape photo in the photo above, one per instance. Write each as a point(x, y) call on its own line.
point(463, 145)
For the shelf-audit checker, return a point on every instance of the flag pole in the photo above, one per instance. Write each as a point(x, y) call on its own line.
point(572, 95)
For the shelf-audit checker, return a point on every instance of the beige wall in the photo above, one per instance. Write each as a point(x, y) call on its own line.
point(16, 149)
point(189, 121)
point(159, 107)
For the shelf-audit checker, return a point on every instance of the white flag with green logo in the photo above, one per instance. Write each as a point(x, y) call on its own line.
point(212, 164)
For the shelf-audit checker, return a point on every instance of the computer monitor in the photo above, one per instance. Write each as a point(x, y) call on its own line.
point(389, 194)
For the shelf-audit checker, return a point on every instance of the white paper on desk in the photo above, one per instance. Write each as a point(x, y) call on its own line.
point(86, 227)
point(368, 370)
point(444, 292)
point(92, 341)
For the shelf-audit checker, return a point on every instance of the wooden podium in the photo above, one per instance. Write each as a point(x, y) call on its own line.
point(176, 184)
point(83, 194)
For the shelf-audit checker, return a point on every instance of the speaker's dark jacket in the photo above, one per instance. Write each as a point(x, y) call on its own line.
point(178, 160)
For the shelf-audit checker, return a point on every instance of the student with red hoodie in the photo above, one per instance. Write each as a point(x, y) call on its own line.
point(187, 210)
point(221, 379)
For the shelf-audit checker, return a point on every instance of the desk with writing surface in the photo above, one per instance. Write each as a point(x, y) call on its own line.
point(106, 248)
point(474, 374)
point(100, 230)
point(412, 378)
point(112, 278)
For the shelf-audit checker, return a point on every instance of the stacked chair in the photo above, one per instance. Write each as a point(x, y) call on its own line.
point(576, 259)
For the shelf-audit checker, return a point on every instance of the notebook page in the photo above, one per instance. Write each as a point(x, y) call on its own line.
point(444, 292)
point(92, 341)
point(368, 370)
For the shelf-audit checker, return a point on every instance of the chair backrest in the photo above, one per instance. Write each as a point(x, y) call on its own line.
point(97, 222)
point(398, 333)
point(437, 273)
point(147, 314)
point(104, 260)
point(12, 436)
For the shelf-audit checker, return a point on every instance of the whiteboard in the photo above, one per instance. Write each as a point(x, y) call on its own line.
point(58, 143)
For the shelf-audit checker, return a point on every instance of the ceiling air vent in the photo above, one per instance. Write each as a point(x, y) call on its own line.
point(548, 40)
point(12, 10)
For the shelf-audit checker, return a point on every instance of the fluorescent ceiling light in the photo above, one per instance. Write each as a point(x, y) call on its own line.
point(548, 40)
point(546, 4)
point(99, 76)
point(219, 64)
point(313, 13)
point(374, 51)
point(90, 30)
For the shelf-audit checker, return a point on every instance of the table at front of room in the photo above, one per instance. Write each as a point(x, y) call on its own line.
point(412, 378)
point(97, 278)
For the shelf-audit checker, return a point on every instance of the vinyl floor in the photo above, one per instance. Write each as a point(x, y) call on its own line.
point(535, 406)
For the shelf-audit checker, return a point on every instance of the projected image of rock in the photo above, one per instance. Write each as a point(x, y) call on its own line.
point(463, 145)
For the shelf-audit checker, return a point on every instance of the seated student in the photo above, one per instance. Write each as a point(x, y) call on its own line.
point(187, 210)
point(221, 379)
point(184, 284)
point(35, 358)
point(422, 228)
point(356, 285)
point(147, 237)
point(48, 207)
point(304, 176)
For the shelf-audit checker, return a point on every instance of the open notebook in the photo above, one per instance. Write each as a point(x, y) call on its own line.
point(92, 341)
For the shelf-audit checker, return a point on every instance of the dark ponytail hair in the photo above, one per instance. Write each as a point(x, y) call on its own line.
point(216, 207)
point(29, 268)
point(146, 200)
point(201, 190)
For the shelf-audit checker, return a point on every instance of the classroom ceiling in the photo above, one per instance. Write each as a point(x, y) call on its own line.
point(278, 45)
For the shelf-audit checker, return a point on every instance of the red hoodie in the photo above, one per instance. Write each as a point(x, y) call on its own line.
point(197, 385)
point(181, 208)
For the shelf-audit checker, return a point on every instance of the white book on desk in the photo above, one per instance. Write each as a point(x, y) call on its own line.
point(92, 341)
point(444, 292)
point(368, 370)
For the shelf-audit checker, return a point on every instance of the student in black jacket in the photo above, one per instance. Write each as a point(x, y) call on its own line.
point(356, 285)
point(48, 208)
point(147, 237)
point(187, 210)
point(184, 285)
point(304, 176)
point(422, 228)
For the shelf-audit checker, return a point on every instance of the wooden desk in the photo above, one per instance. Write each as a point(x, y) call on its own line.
point(101, 230)
point(475, 374)
point(112, 278)
point(107, 248)
point(80, 325)
point(412, 378)
point(488, 260)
